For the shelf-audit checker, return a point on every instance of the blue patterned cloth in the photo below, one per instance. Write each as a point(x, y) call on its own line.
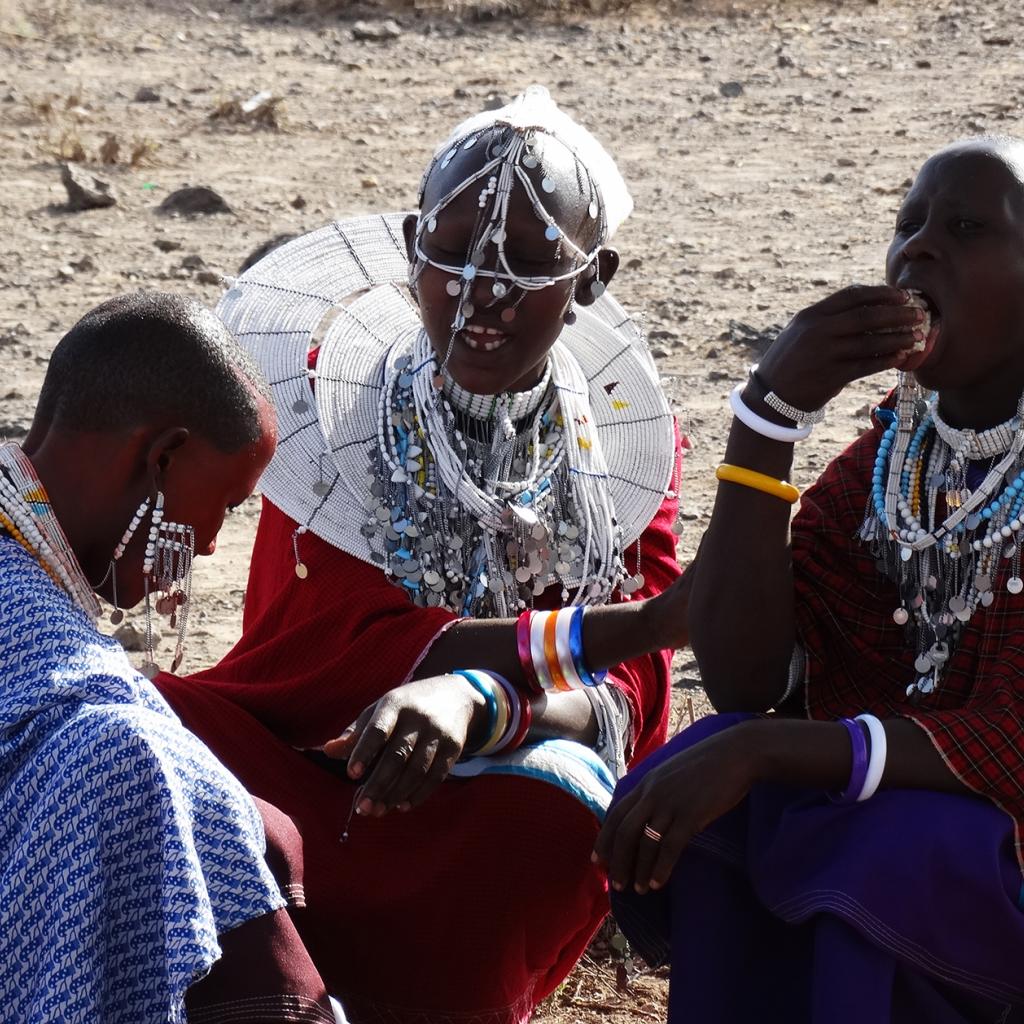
point(125, 846)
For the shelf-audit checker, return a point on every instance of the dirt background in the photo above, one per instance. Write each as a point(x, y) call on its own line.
point(766, 146)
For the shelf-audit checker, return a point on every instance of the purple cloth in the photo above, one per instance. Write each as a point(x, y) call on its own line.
point(792, 908)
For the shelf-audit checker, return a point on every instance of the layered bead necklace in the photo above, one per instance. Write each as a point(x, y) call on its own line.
point(945, 570)
point(27, 515)
point(477, 502)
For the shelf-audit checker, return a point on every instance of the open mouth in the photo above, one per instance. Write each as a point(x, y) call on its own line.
point(930, 326)
point(482, 339)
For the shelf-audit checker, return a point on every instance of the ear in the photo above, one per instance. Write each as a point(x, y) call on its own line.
point(602, 270)
point(163, 449)
point(409, 231)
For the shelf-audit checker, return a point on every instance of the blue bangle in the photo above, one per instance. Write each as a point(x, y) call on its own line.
point(488, 694)
point(859, 765)
point(576, 650)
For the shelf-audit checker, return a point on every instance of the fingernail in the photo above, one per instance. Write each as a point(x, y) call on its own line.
point(617, 886)
point(364, 807)
point(593, 858)
point(355, 770)
point(641, 890)
point(655, 884)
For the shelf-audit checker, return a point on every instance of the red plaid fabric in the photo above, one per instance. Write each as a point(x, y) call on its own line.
point(859, 659)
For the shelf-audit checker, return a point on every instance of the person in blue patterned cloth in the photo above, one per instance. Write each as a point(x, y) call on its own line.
point(138, 881)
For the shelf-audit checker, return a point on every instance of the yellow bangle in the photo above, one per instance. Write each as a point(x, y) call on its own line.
point(758, 481)
point(501, 719)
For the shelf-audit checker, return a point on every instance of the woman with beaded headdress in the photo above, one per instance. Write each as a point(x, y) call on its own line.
point(137, 878)
point(858, 855)
point(465, 566)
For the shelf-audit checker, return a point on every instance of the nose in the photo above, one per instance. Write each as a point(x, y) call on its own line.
point(921, 244)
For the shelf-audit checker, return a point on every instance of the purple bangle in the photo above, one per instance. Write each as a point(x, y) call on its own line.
point(859, 768)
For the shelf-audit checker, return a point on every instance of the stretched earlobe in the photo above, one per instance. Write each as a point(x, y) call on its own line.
point(409, 234)
point(593, 282)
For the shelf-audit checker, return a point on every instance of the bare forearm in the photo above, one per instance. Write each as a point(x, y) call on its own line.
point(612, 634)
point(818, 755)
point(741, 611)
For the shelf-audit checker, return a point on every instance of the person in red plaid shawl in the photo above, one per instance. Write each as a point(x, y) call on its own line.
point(856, 855)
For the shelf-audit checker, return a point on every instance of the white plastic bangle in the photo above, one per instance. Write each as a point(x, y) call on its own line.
point(759, 425)
point(876, 760)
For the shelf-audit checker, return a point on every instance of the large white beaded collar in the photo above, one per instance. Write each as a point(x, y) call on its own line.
point(343, 287)
point(946, 568)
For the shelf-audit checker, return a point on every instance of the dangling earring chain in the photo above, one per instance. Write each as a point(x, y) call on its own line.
point(117, 615)
point(167, 569)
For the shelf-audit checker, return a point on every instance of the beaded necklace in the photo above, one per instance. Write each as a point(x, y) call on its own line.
point(27, 515)
point(945, 570)
point(477, 503)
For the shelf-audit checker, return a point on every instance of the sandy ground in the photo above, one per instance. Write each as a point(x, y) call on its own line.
point(767, 149)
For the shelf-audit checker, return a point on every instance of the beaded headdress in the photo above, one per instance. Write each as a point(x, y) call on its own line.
point(475, 502)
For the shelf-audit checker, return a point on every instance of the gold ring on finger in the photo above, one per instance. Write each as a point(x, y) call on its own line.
point(652, 834)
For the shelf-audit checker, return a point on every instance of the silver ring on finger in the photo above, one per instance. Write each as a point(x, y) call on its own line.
point(651, 833)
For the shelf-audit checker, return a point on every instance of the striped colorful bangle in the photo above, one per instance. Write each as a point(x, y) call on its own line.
point(551, 652)
point(485, 688)
point(525, 652)
point(515, 704)
point(525, 721)
point(504, 714)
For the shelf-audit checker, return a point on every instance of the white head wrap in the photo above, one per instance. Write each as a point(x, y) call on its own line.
point(535, 109)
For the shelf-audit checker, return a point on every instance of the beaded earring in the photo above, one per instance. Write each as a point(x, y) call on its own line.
point(117, 615)
point(167, 570)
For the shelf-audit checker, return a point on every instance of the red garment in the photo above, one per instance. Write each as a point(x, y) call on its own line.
point(477, 903)
point(860, 660)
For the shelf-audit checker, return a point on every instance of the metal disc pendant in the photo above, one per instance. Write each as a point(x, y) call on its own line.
point(551, 233)
point(906, 554)
point(548, 185)
point(300, 570)
point(301, 407)
point(900, 616)
point(987, 598)
point(957, 604)
point(508, 315)
point(453, 288)
point(116, 617)
point(498, 290)
point(149, 669)
point(923, 663)
point(1015, 584)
